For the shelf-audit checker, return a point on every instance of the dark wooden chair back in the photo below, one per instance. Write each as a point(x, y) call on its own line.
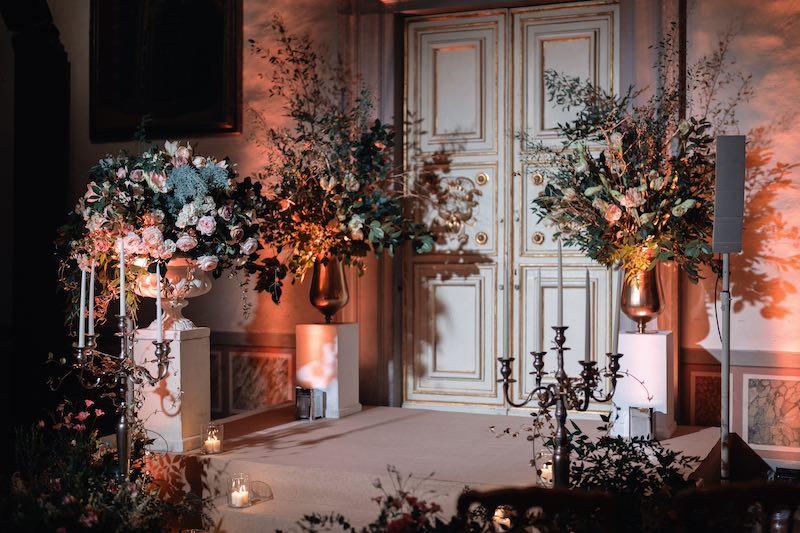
point(546, 509)
point(755, 506)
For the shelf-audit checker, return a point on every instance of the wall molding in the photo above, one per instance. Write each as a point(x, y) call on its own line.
point(755, 358)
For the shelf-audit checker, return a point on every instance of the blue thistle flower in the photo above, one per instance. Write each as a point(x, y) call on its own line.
point(215, 176)
point(186, 183)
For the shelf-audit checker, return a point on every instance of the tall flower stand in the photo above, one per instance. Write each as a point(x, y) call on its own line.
point(175, 410)
point(649, 359)
point(327, 359)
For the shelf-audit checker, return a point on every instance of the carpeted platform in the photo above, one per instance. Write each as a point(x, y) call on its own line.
point(329, 465)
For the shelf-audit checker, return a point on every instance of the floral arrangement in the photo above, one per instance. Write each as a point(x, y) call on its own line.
point(629, 185)
point(332, 170)
point(633, 184)
point(165, 203)
point(65, 479)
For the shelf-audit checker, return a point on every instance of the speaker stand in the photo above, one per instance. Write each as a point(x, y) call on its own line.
point(725, 298)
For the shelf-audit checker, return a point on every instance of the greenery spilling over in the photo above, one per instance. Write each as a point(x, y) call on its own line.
point(633, 182)
point(66, 480)
point(332, 169)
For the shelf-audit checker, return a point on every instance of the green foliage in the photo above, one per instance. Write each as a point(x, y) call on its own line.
point(66, 479)
point(334, 183)
point(642, 475)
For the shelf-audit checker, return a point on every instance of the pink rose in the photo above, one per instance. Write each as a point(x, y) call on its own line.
point(612, 213)
point(157, 181)
point(632, 198)
point(152, 236)
point(186, 243)
point(207, 263)
point(137, 175)
point(131, 242)
point(225, 212)
point(99, 412)
point(83, 415)
point(78, 427)
point(166, 250)
point(237, 233)
point(122, 172)
point(101, 245)
point(142, 249)
point(206, 225)
point(88, 403)
point(182, 156)
point(249, 246)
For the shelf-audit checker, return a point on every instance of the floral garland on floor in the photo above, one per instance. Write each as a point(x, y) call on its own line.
point(163, 204)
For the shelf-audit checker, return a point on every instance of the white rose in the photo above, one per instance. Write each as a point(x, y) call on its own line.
point(171, 147)
point(206, 225)
point(236, 233)
point(152, 237)
point(187, 216)
point(199, 161)
point(186, 243)
point(166, 250)
point(122, 172)
point(249, 246)
point(137, 175)
point(207, 263)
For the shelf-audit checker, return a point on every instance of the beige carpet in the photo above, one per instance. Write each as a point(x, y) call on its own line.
point(329, 465)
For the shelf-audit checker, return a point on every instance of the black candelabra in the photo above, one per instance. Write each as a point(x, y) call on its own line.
point(120, 375)
point(565, 393)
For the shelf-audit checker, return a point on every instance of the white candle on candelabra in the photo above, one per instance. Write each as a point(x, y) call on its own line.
point(91, 301)
point(560, 319)
point(616, 297)
point(159, 312)
point(81, 319)
point(538, 297)
point(240, 498)
point(506, 314)
point(121, 277)
point(587, 354)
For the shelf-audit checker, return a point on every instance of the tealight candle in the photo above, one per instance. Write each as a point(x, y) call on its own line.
point(239, 494)
point(544, 469)
point(212, 438)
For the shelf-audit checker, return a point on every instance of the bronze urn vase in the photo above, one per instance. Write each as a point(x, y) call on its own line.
point(642, 296)
point(328, 286)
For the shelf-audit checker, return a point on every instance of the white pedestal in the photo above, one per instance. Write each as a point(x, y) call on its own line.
point(327, 359)
point(648, 357)
point(176, 408)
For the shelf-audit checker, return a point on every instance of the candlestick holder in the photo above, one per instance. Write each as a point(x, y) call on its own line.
point(120, 375)
point(566, 393)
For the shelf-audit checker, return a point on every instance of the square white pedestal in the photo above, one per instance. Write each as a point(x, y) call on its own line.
point(176, 408)
point(648, 357)
point(327, 359)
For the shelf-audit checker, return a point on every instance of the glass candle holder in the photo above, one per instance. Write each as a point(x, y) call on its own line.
point(212, 438)
point(544, 469)
point(239, 493)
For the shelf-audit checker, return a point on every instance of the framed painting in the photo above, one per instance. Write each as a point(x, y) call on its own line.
point(176, 62)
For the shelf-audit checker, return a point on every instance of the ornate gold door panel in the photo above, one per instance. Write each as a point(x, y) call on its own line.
point(474, 80)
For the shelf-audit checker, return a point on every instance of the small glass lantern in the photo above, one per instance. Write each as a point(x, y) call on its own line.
point(239, 494)
point(212, 438)
point(544, 469)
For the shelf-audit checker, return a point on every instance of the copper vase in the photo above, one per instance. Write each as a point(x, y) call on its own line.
point(328, 287)
point(642, 297)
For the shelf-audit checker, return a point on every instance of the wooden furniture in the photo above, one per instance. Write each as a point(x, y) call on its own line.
point(516, 509)
point(752, 506)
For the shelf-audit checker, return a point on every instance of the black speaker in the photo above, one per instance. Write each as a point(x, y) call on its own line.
point(729, 194)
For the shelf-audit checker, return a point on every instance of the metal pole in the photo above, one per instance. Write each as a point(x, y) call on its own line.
point(561, 447)
point(725, 370)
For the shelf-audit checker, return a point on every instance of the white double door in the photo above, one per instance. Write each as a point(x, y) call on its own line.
point(475, 81)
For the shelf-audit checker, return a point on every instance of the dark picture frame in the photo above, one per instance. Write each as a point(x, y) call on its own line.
point(178, 62)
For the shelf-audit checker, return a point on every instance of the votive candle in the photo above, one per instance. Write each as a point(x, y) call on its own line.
point(239, 494)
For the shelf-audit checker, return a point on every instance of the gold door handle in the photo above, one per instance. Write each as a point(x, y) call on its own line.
point(537, 237)
point(537, 178)
point(482, 178)
point(481, 238)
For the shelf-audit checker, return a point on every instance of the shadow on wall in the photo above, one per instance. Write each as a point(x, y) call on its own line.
point(759, 273)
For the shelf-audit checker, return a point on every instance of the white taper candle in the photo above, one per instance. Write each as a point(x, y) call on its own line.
point(587, 351)
point(506, 314)
point(159, 313)
point(560, 286)
point(91, 301)
point(122, 277)
point(81, 317)
point(616, 297)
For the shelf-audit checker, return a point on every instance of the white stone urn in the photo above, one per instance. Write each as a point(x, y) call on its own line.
point(185, 280)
